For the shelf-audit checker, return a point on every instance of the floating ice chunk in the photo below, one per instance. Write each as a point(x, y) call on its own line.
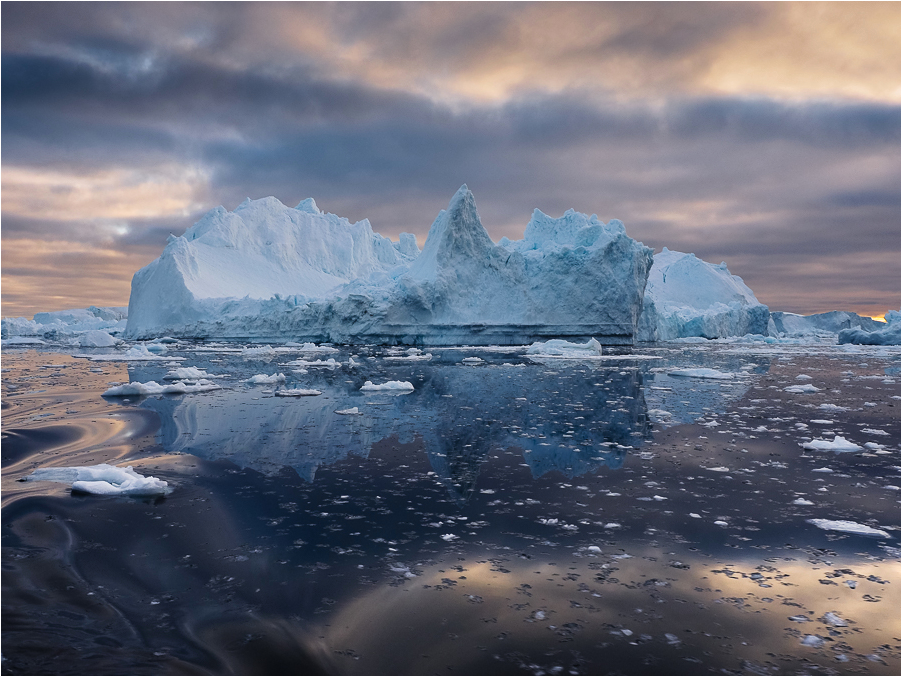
point(802, 501)
point(153, 388)
point(313, 348)
point(183, 373)
point(22, 341)
point(388, 385)
point(695, 515)
point(659, 415)
point(807, 388)
point(838, 444)
point(103, 479)
point(822, 470)
point(138, 353)
point(872, 431)
point(95, 338)
point(830, 618)
point(328, 364)
point(472, 360)
point(813, 641)
point(412, 357)
point(297, 392)
point(803, 377)
point(703, 372)
point(832, 407)
point(848, 527)
point(718, 469)
point(262, 351)
point(565, 349)
point(449, 537)
point(263, 379)
point(595, 549)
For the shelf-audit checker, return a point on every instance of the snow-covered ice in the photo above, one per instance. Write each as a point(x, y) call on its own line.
point(848, 527)
point(154, 388)
point(837, 444)
point(388, 385)
point(688, 297)
point(103, 479)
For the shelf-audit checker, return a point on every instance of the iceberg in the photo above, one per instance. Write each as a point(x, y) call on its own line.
point(791, 324)
point(65, 324)
point(889, 334)
point(688, 297)
point(267, 271)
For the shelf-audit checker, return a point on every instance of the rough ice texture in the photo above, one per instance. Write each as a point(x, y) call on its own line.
point(889, 334)
point(64, 324)
point(565, 349)
point(268, 271)
point(686, 297)
point(103, 479)
point(848, 527)
point(388, 385)
point(153, 388)
point(838, 444)
point(791, 324)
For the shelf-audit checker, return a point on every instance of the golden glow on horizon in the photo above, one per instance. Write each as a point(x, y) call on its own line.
point(109, 194)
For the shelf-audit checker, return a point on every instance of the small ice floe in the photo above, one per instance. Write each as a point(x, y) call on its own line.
point(388, 385)
point(594, 549)
point(472, 360)
point(703, 372)
point(258, 352)
point(95, 338)
point(803, 377)
point(327, 364)
point(838, 444)
point(103, 480)
point(806, 388)
point(449, 537)
point(263, 379)
point(353, 411)
point(813, 641)
point(848, 527)
point(138, 353)
point(659, 416)
point(297, 392)
point(411, 355)
point(313, 348)
point(402, 570)
point(23, 341)
point(822, 470)
point(832, 407)
point(822, 421)
point(565, 349)
point(718, 469)
point(695, 515)
point(153, 388)
point(833, 619)
point(721, 523)
point(802, 501)
point(873, 431)
point(183, 373)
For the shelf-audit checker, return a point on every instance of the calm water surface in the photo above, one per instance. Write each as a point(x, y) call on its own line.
point(508, 516)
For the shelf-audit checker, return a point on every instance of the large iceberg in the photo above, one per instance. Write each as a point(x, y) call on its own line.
point(267, 271)
point(687, 297)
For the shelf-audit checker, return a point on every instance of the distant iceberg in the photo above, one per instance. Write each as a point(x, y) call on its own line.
point(267, 271)
point(84, 324)
point(793, 325)
point(688, 297)
point(889, 334)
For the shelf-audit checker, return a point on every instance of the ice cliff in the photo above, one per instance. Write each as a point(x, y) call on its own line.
point(269, 271)
point(889, 334)
point(686, 297)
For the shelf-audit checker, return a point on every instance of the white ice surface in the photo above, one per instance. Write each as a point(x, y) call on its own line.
point(838, 444)
point(848, 527)
point(388, 385)
point(153, 388)
point(103, 479)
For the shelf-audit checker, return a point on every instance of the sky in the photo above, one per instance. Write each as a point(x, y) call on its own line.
point(765, 135)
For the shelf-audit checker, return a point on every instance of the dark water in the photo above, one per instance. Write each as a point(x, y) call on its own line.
point(507, 517)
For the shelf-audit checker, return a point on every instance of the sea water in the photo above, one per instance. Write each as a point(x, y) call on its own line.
point(625, 514)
